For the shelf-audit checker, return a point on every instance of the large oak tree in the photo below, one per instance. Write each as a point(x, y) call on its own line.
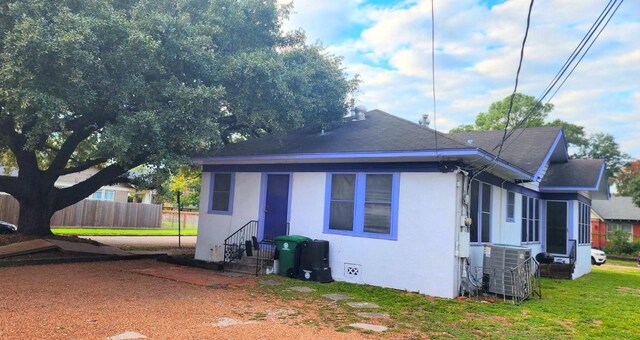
point(119, 84)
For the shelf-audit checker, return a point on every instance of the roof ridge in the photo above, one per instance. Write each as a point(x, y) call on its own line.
point(444, 135)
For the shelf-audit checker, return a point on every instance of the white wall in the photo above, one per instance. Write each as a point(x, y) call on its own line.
point(421, 259)
point(503, 232)
point(583, 252)
point(214, 228)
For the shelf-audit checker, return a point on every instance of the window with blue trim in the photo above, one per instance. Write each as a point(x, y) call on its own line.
point(480, 230)
point(362, 204)
point(221, 192)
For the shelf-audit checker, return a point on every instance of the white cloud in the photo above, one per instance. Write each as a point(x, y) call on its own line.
point(477, 50)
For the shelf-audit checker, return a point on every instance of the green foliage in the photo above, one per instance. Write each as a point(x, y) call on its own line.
point(618, 243)
point(628, 181)
point(604, 146)
point(187, 182)
point(496, 117)
point(119, 84)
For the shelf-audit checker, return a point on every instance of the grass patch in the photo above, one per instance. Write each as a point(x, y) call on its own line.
point(602, 304)
point(622, 263)
point(122, 232)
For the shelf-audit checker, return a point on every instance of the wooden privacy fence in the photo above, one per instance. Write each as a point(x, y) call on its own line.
point(188, 219)
point(93, 213)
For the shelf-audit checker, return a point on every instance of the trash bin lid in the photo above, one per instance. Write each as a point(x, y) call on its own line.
point(292, 238)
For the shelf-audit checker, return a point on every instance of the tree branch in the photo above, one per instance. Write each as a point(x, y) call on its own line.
point(78, 192)
point(10, 185)
point(67, 149)
point(84, 166)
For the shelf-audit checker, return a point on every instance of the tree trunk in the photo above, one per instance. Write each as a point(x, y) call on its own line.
point(35, 216)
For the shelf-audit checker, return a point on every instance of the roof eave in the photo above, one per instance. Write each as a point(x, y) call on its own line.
point(380, 156)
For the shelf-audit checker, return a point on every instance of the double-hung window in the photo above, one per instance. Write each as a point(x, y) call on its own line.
point(362, 204)
point(530, 219)
point(480, 212)
point(584, 225)
point(221, 193)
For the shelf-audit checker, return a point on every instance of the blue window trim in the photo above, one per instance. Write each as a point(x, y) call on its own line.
point(358, 211)
point(511, 218)
point(231, 194)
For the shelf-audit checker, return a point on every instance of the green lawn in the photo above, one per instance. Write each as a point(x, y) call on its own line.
point(603, 304)
point(622, 263)
point(121, 232)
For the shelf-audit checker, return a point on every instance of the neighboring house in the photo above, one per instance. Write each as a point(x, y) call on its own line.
point(618, 213)
point(391, 197)
point(114, 193)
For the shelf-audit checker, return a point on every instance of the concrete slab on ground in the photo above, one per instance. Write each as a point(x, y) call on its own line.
point(128, 335)
point(79, 247)
point(369, 327)
point(336, 297)
point(302, 289)
point(196, 276)
point(225, 322)
point(26, 247)
point(367, 315)
point(270, 282)
point(362, 305)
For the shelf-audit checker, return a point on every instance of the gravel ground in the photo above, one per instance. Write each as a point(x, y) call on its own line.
point(103, 299)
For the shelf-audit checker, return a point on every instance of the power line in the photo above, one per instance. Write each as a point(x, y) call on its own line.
point(567, 64)
point(515, 87)
point(433, 73)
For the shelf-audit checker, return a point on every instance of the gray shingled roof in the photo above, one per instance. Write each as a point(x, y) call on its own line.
point(574, 173)
point(383, 132)
point(526, 148)
point(380, 131)
point(617, 208)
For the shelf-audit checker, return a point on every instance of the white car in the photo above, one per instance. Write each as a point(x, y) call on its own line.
point(598, 257)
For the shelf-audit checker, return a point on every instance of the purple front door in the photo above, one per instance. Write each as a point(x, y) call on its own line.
point(276, 206)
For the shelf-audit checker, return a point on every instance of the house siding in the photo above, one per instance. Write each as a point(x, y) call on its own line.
point(214, 228)
point(421, 259)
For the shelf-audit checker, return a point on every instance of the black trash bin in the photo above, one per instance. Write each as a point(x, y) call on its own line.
point(314, 261)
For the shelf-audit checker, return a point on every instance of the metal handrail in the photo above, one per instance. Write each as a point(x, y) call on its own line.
point(235, 244)
point(266, 251)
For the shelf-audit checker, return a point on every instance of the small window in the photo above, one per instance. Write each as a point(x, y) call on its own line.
point(584, 225)
point(343, 187)
point(377, 204)
point(221, 192)
point(511, 206)
point(480, 212)
point(530, 220)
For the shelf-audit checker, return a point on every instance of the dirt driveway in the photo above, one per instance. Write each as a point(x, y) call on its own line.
point(103, 299)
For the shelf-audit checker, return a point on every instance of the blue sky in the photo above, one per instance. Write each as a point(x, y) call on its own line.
point(388, 43)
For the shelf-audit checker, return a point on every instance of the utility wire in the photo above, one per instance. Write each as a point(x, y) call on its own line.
point(433, 73)
point(515, 87)
point(601, 18)
point(568, 63)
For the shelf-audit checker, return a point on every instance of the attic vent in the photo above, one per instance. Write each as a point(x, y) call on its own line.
point(353, 272)
point(359, 112)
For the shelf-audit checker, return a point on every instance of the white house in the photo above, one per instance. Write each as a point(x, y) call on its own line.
point(392, 197)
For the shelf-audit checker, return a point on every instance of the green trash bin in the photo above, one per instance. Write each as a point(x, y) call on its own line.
point(286, 246)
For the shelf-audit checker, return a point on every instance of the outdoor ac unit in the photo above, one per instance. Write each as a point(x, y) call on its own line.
point(505, 271)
